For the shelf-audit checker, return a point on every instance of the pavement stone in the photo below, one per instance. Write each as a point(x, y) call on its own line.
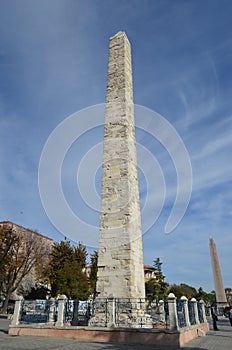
point(221, 339)
point(214, 340)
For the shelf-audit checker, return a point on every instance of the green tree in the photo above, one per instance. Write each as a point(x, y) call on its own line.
point(80, 254)
point(158, 269)
point(156, 288)
point(72, 281)
point(177, 290)
point(183, 289)
point(66, 271)
point(208, 298)
point(61, 253)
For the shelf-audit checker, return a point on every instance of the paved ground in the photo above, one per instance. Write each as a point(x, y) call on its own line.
point(214, 340)
point(221, 339)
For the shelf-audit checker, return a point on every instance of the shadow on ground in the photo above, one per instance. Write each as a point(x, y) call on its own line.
point(4, 325)
point(114, 346)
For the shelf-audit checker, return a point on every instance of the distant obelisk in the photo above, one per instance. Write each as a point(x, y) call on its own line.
point(217, 275)
point(120, 255)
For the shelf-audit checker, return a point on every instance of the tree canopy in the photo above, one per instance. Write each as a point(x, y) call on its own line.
point(156, 288)
point(183, 289)
point(66, 271)
point(191, 292)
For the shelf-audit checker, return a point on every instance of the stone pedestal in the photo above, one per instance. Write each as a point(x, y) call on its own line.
point(51, 310)
point(186, 310)
point(128, 313)
point(17, 311)
point(172, 312)
point(61, 307)
point(162, 311)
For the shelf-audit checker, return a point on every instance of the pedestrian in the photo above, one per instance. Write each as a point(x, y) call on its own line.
point(214, 317)
point(230, 316)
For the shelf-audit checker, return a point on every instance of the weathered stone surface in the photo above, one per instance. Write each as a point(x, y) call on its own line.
point(217, 275)
point(120, 270)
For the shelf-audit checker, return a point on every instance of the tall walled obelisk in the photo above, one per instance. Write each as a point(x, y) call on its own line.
point(217, 275)
point(120, 255)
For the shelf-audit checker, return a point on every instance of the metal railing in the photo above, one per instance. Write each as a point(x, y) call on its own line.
point(191, 310)
point(34, 311)
point(77, 313)
point(200, 312)
point(181, 313)
point(117, 312)
point(130, 312)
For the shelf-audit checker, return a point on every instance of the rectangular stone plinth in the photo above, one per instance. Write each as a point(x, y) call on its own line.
point(156, 337)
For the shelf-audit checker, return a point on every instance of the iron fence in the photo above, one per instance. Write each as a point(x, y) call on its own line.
point(68, 311)
point(34, 311)
point(192, 318)
point(159, 313)
point(181, 313)
point(76, 312)
point(120, 312)
point(128, 312)
point(200, 312)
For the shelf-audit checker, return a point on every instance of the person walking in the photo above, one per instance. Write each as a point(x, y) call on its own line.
point(230, 316)
point(214, 317)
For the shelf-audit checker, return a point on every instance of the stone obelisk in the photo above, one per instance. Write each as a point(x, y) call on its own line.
point(120, 255)
point(217, 275)
point(120, 279)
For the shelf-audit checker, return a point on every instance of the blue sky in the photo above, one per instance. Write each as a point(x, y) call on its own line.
point(53, 63)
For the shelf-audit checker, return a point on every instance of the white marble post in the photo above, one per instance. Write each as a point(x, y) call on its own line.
point(173, 319)
point(61, 306)
point(162, 311)
point(111, 308)
point(186, 311)
point(51, 310)
point(17, 310)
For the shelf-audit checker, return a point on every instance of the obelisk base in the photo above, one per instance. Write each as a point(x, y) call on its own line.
point(115, 312)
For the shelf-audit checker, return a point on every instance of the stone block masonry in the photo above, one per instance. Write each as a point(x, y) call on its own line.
point(120, 262)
